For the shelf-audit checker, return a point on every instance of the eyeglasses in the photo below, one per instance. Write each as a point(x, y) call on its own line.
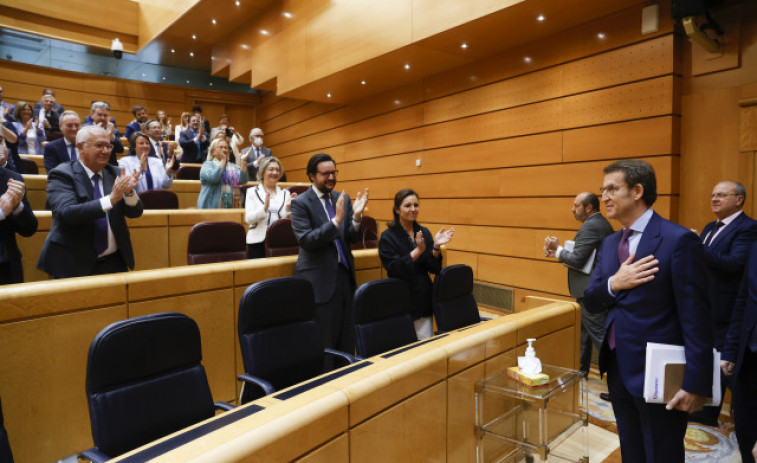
point(101, 146)
point(722, 195)
point(611, 189)
point(329, 173)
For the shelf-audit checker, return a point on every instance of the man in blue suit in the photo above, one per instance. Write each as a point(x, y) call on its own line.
point(63, 149)
point(726, 246)
point(651, 277)
point(739, 360)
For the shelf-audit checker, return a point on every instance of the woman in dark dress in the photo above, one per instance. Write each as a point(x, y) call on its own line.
point(408, 252)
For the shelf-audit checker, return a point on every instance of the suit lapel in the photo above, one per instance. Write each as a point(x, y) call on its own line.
point(83, 183)
point(730, 228)
point(317, 205)
point(650, 238)
point(108, 180)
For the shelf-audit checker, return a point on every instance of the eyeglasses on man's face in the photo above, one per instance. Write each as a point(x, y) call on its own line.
point(721, 195)
point(611, 190)
point(101, 146)
point(329, 173)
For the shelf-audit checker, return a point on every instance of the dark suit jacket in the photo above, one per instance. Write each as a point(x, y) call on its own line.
point(317, 260)
point(164, 147)
point(55, 153)
point(189, 147)
point(725, 258)
point(672, 308)
point(252, 171)
point(588, 238)
point(744, 317)
point(68, 250)
point(56, 107)
point(14, 160)
point(131, 127)
point(25, 224)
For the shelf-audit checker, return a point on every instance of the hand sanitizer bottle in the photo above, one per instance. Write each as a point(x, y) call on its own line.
point(530, 363)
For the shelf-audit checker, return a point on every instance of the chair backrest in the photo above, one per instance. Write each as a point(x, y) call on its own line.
point(370, 234)
point(278, 334)
point(280, 239)
point(216, 242)
point(187, 172)
point(159, 199)
point(299, 189)
point(383, 318)
point(145, 380)
point(453, 301)
point(30, 166)
point(6, 456)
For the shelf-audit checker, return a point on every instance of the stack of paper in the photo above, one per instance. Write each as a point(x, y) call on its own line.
point(663, 376)
point(570, 246)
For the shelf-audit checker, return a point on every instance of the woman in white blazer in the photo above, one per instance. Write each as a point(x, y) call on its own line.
point(265, 204)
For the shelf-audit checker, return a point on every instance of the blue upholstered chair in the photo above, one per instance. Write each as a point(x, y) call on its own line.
point(454, 304)
point(280, 340)
point(383, 319)
point(145, 381)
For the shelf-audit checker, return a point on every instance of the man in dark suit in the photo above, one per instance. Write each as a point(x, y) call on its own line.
point(739, 360)
point(89, 201)
point(63, 149)
point(16, 216)
point(257, 153)
point(194, 142)
point(726, 246)
point(325, 223)
point(56, 107)
point(100, 117)
point(158, 148)
point(659, 296)
point(588, 241)
point(50, 117)
point(140, 117)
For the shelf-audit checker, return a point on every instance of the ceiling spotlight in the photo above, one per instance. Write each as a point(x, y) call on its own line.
point(527, 59)
point(173, 51)
point(194, 37)
point(541, 18)
point(164, 77)
point(213, 21)
point(144, 75)
point(397, 102)
point(187, 81)
point(264, 32)
point(245, 46)
point(328, 95)
point(463, 45)
point(601, 36)
point(212, 58)
point(362, 82)
point(407, 67)
point(287, 15)
point(192, 54)
point(211, 84)
point(237, 3)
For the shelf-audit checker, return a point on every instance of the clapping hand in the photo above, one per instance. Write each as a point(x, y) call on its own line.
point(339, 209)
point(420, 242)
point(550, 246)
point(288, 204)
point(444, 236)
point(12, 196)
point(359, 206)
point(170, 163)
point(243, 157)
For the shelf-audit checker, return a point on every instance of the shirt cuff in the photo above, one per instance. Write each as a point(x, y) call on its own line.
point(334, 222)
point(132, 199)
point(609, 291)
point(558, 251)
point(19, 209)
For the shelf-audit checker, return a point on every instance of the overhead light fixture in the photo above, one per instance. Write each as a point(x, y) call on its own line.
point(601, 36)
point(192, 54)
point(187, 81)
point(362, 82)
point(407, 67)
point(328, 95)
point(194, 37)
point(213, 21)
point(245, 46)
point(287, 15)
point(463, 45)
point(211, 84)
point(173, 50)
point(144, 75)
point(237, 3)
point(264, 32)
point(541, 18)
point(164, 77)
point(397, 102)
point(212, 58)
point(527, 59)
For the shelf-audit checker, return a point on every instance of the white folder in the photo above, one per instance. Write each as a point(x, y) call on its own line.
point(569, 246)
point(658, 357)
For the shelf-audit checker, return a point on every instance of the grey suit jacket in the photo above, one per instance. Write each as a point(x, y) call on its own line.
point(588, 238)
point(252, 171)
point(68, 250)
point(317, 261)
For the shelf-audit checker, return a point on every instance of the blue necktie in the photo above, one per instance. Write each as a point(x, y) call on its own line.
point(101, 224)
point(711, 236)
point(72, 151)
point(148, 176)
point(199, 147)
point(338, 242)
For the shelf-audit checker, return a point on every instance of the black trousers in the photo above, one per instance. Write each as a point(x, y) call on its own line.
point(648, 432)
point(112, 263)
point(745, 406)
point(592, 334)
point(335, 317)
point(256, 250)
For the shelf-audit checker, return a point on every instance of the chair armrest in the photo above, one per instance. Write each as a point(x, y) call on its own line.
point(225, 406)
point(346, 358)
point(264, 386)
point(93, 455)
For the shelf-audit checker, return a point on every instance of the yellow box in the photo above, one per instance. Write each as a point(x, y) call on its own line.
point(538, 379)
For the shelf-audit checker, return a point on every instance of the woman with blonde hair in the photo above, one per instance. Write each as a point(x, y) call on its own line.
point(182, 125)
point(265, 204)
point(220, 179)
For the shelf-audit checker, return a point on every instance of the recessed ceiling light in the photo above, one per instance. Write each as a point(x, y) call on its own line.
point(144, 75)
point(245, 46)
point(194, 37)
point(407, 67)
point(191, 53)
point(212, 58)
point(541, 18)
point(287, 15)
point(213, 21)
point(187, 81)
point(237, 3)
point(173, 51)
point(463, 45)
point(164, 77)
point(264, 32)
point(362, 82)
point(397, 102)
point(328, 95)
point(527, 59)
point(601, 36)
point(211, 84)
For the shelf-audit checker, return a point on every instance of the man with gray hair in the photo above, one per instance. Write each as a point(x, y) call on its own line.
point(257, 153)
point(63, 149)
point(726, 241)
point(100, 117)
point(89, 202)
point(580, 260)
